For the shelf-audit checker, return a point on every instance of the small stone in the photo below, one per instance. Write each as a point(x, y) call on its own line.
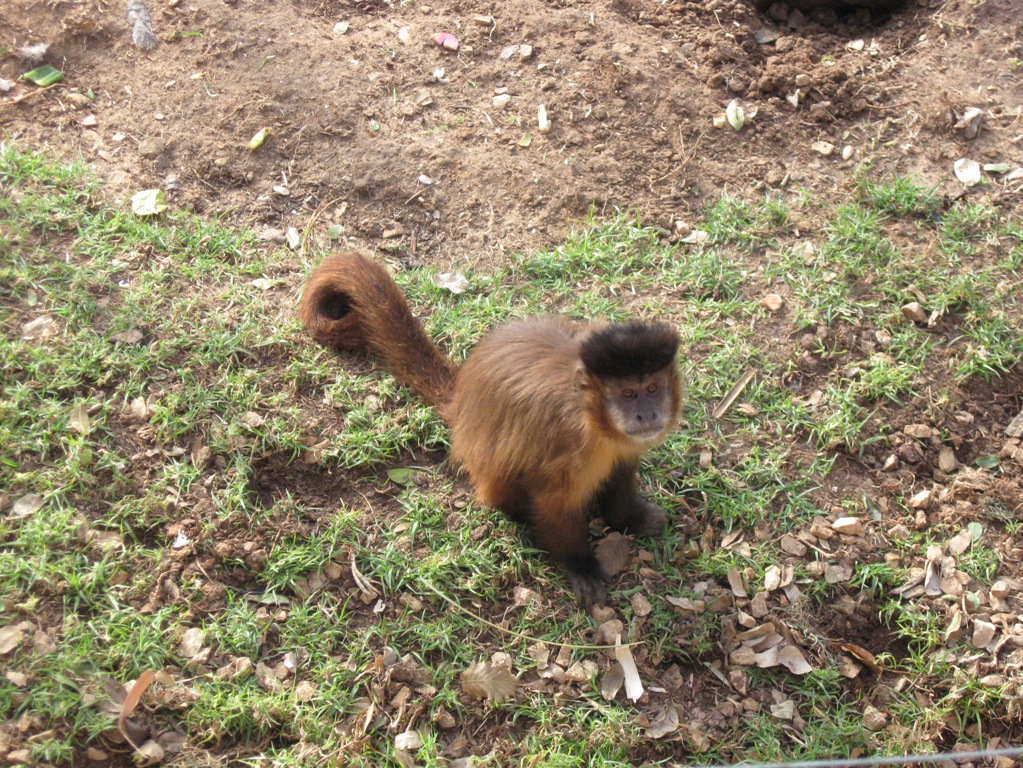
point(393, 230)
point(525, 51)
point(919, 431)
point(772, 302)
point(890, 464)
point(910, 453)
point(501, 100)
point(758, 605)
point(793, 546)
point(847, 152)
point(765, 36)
point(914, 312)
point(850, 526)
point(874, 719)
point(444, 719)
point(803, 80)
point(825, 148)
point(19, 757)
point(920, 500)
point(581, 671)
point(920, 520)
point(641, 605)
point(152, 147)
point(602, 614)
point(606, 632)
point(947, 460)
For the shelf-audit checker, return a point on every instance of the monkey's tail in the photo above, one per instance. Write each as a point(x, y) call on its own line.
point(351, 303)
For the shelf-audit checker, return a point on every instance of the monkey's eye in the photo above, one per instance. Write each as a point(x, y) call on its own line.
point(651, 388)
point(628, 394)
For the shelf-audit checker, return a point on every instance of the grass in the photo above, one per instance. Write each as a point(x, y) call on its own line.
point(228, 476)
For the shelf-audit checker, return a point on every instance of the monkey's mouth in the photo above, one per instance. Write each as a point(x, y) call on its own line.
point(646, 433)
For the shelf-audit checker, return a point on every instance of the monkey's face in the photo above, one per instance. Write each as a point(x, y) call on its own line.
point(641, 408)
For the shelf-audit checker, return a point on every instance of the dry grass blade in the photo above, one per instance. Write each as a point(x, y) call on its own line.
point(736, 390)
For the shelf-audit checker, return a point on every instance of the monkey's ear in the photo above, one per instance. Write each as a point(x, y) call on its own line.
point(582, 379)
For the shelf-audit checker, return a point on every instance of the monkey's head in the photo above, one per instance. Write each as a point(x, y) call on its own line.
point(633, 367)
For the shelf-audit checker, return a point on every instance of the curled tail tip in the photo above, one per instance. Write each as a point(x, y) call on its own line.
point(328, 307)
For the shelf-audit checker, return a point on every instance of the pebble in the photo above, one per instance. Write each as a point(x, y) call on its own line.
point(947, 461)
point(920, 500)
point(914, 312)
point(152, 147)
point(874, 719)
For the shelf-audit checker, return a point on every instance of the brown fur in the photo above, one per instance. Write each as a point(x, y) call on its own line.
point(530, 420)
point(350, 303)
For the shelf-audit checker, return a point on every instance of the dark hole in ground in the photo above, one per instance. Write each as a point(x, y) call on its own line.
point(842, 16)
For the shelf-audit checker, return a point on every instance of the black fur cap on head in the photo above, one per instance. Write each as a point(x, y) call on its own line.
point(632, 349)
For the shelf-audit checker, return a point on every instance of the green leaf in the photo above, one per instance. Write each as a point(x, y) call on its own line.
point(976, 530)
point(44, 76)
point(401, 475)
point(988, 462)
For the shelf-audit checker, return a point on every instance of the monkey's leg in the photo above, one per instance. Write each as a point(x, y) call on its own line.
point(622, 508)
point(509, 497)
point(564, 533)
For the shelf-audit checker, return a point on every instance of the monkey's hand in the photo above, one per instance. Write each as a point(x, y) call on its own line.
point(588, 583)
point(647, 519)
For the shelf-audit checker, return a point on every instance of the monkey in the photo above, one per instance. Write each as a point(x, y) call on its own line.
point(548, 417)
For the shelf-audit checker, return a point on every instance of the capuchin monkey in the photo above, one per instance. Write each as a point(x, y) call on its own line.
point(548, 417)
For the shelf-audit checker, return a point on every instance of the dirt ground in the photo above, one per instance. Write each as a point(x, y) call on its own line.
point(407, 145)
point(392, 142)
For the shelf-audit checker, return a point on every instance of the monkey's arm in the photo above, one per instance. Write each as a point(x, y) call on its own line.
point(564, 533)
point(622, 508)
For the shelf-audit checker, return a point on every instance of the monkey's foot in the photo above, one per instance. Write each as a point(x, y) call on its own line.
point(587, 582)
point(647, 519)
point(589, 591)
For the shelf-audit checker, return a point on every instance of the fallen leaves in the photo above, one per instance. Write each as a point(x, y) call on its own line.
point(485, 680)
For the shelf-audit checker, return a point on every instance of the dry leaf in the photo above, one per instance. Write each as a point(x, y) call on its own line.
point(633, 685)
point(39, 329)
point(793, 660)
point(79, 420)
point(847, 667)
point(455, 282)
point(131, 701)
point(11, 637)
point(983, 633)
point(664, 724)
point(613, 553)
point(735, 582)
point(131, 336)
point(485, 680)
point(932, 571)
point(191, 642)
point(861, 654)
point(26, 506)
point(149, 753)
point(612, 681)
point(785, 710)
